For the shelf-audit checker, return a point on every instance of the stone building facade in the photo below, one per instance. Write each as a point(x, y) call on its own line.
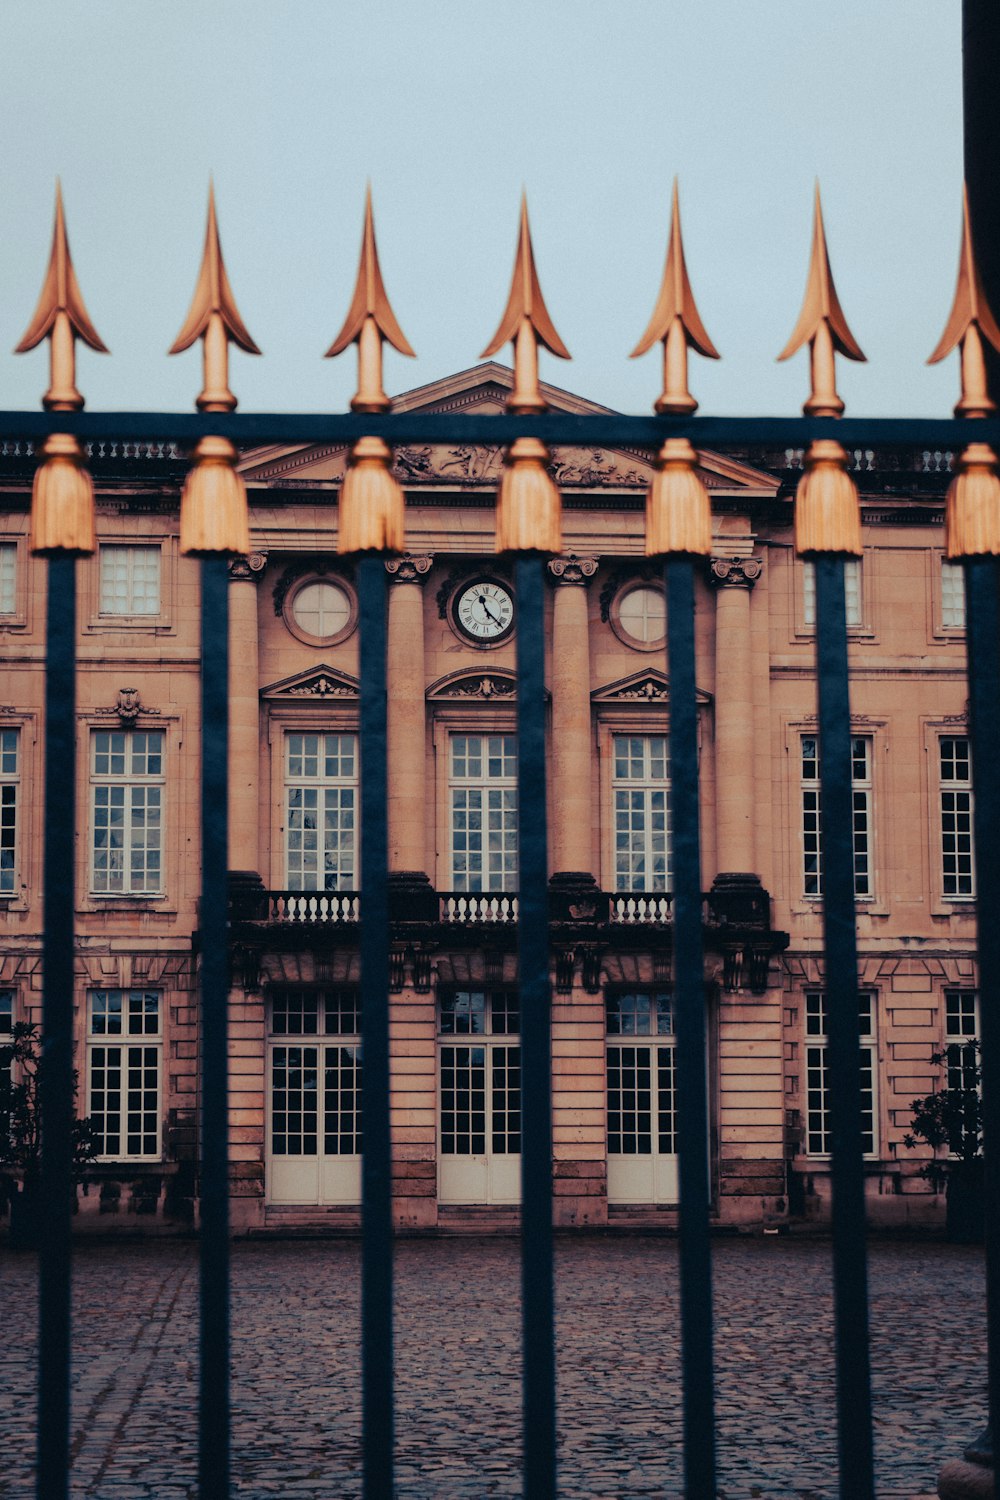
point(294, 1048)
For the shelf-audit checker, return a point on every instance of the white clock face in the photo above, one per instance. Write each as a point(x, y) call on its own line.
point(484, 611)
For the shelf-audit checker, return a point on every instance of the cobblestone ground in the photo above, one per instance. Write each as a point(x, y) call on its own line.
point(296, 1422)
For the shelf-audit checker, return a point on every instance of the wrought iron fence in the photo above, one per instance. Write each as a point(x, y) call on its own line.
point(676, 513)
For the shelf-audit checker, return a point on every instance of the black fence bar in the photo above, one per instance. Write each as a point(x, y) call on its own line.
point(56, 1082)
point(609, 429)
point(376, 1179)
point(692, 1051)
point(537, 1289)
point(850, 1282)
point(213, 1396)
point(982, 584)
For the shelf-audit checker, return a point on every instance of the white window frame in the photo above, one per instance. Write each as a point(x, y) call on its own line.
point(491, 1175)
point(853, 593)
point(10, 812)
point(955, 812)
point(134, 1035)
point(816, 1097)
point(951, 585)
point(633, 795)
point(863, 809)
point(497, 793)
point(136, 803)
point(9, 571)
point(312, 795)
point(130, 553)
point(961, 1025)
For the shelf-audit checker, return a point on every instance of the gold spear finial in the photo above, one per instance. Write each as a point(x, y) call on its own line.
point(529, 508)
point(969, 322)
point(526, 323)
point(62, 499)
point(676, 321)
point(678, 510)
point(827, 509)
point(214, 514)
point(822, 324)
point(372, 509)
point(972, 508)
point(370, 319)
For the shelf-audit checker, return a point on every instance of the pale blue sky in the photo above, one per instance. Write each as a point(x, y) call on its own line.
point(449, 108)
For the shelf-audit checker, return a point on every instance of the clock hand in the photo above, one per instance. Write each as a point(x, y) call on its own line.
point(488, 612)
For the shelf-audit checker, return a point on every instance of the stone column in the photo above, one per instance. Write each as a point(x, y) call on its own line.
point(572, 816)
point(734, 713)
point(407, 744)
point(244, 715)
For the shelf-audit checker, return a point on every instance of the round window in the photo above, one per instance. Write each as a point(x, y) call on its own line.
point(639, 616)
point(320, 612)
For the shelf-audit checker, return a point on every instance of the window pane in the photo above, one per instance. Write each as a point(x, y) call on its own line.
point(130, 581)
point(8, 578)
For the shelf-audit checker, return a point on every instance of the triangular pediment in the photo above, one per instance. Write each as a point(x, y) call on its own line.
point(316, 684)
point(647, 686)
point(484, 388)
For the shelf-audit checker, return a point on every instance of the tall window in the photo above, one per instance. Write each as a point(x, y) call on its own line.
point(956, 817)
point(861, 800)
point(127, 804)
point(952, 595)
point(961, 1030)
point(130, 581)
point(480, 1103)
point(10, 781)
point(640, 788)
point(852, 592)
point(483, 801)
point(8, 578)
point(316, 1083)
point(124, 1044)
point(321, 792)
point(818, 1126)
point(642, 1104)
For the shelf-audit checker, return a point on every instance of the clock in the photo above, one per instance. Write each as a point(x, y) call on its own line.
point(483, 611)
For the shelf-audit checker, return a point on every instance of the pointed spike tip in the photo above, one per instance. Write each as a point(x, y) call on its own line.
point(60, 293)
point(970, 304)
point(526, 300)
point(821, 303)
point(213, 294)
point(370, 299)
point(676, 299)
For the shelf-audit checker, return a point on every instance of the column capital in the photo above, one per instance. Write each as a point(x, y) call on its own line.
point(572, 569)
point(408, 569)
point(735, 572)
point(247, 569)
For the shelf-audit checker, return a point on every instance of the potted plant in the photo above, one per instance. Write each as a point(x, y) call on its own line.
point(950, 1121)
point(21, 1067)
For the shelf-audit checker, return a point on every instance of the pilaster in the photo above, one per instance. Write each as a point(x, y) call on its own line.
point(571, 836)
point(244, 713)
point(407, 752)
point(734, 579)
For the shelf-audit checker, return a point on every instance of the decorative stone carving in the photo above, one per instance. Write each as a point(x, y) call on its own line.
point(127, 707)
point(316, 682)
point(735, 572)
point(572, 569)
point(247, 569)
point(484, 687)
point(408, 569)
point(322, 686)
point(319, 565)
